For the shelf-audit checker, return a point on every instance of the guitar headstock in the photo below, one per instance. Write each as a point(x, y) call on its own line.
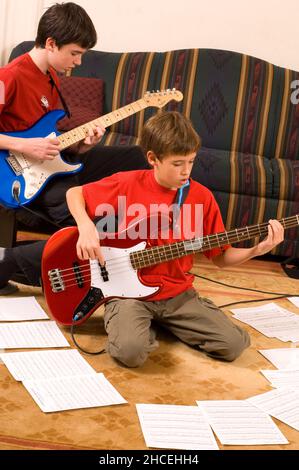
point(161, 98)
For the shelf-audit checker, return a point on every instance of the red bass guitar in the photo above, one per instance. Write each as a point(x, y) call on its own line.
point(74, 289)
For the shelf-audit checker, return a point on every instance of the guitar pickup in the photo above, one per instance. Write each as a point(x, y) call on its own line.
point(14, 165)
point(104, 273)
point(78, 275)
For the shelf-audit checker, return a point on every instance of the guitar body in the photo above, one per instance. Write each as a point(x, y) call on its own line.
point(28, 176)
point(74, 289)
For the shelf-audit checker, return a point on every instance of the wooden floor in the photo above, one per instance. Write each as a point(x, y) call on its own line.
point(173, 374)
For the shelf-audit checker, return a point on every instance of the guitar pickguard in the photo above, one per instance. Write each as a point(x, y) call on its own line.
point(36, 173)
point(123, 280)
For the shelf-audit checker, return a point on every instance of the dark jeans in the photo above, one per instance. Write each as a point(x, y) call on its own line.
point(28, 260)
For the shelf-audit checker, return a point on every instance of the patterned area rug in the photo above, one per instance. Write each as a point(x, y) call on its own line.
point(173, 374)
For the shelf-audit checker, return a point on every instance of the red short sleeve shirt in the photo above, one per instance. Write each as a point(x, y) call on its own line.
point(136, 194)
point(27, 92)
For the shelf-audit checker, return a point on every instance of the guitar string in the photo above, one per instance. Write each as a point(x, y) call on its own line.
point(97, 275)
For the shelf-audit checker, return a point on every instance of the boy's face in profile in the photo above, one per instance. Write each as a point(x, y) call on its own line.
point(66, 57)
point(172, 171)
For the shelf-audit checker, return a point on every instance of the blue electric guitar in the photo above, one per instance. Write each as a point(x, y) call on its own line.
point(23, 178)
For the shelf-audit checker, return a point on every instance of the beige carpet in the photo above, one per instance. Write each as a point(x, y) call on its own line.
point(174, 374)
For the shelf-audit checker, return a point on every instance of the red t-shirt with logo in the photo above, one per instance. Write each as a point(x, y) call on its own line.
point(27, 92)
point(135, 194)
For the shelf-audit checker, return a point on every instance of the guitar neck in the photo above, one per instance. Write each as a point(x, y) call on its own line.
point(160, 254)
point(79, 133)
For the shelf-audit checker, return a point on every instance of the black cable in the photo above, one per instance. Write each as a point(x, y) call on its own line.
point(255, 300)
point(81, 349)
point(241, 288)
point(278, 295)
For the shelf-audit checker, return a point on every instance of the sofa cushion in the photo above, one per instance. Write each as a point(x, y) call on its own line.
point(241, 210)
point(233, 172)
point(285, 179)
point(84, 98)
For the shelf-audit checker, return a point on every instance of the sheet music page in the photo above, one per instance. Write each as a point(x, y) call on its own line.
point(294, 300)
point(70, 393)
point(271, 320)
point(289, 337)
point(35, 365)
point(259, 312)
point(21, 308)
point(281, 403)
point(282, 358)
point(237, 422)
point(175, 427)
point(282, 378)
point(38, 334)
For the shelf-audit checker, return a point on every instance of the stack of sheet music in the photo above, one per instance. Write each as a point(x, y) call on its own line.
point(56, 379)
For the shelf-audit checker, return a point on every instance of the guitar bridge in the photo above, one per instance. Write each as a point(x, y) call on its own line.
point(56, 280)
point(14, 164)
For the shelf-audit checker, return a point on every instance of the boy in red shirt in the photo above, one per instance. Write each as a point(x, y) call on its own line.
point(170, 143)
point(29, 91)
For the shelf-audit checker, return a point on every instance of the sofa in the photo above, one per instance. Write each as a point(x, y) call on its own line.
point(241, 107)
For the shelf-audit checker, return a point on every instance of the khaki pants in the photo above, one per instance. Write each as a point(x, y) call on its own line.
point(194, 320)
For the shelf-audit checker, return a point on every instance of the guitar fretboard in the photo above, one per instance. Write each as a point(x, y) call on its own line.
point(159, 254)
point(79, 133)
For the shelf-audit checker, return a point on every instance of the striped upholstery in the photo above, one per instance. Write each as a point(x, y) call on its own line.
point(227, 95)
point(240, 106)
point(287, 132)
point(127, 77)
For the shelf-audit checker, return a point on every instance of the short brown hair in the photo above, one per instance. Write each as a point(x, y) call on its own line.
point(67, 23)
point(169, 133)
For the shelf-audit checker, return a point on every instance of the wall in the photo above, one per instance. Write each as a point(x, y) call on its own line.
point(262, 28)
point(18, 22)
